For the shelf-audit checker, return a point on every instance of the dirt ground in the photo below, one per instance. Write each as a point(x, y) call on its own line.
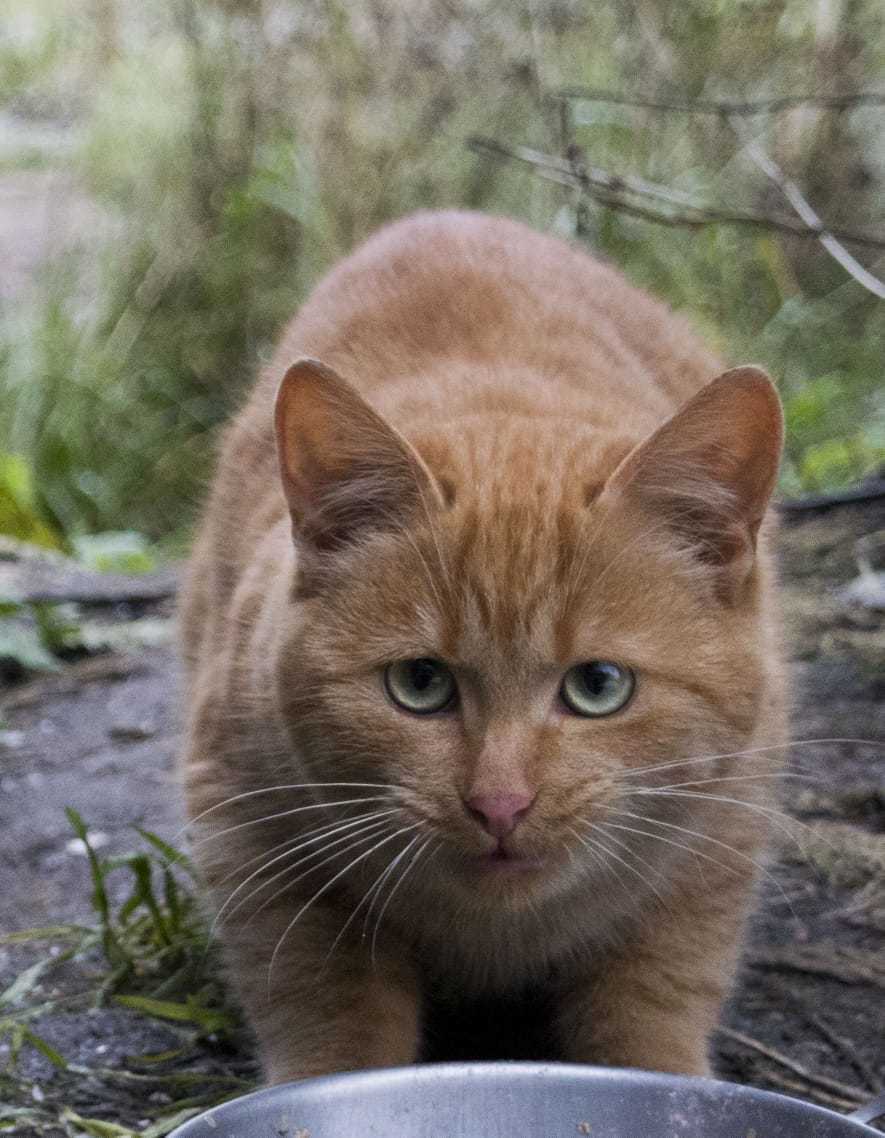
point(809, 1009)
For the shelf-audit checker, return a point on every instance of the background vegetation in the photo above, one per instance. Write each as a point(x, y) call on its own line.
point(233, 149)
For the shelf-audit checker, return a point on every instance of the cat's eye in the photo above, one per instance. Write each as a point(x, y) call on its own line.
point(597, 688)
point(422, 686)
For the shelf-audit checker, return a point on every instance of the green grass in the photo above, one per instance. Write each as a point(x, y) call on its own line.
point(147, 952)
point(237, 156)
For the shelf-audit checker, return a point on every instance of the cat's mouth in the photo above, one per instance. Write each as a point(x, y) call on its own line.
point(502, 860)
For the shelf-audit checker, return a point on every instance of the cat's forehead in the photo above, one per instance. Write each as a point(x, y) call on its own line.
point(509, 548)
point(506, 567)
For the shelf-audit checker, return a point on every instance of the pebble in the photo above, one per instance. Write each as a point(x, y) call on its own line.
point(97, 839)
point(125, 732)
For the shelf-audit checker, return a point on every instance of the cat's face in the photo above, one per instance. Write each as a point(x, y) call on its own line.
point(508, 654)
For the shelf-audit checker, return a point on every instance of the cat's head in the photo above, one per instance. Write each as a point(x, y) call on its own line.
point(498, 627)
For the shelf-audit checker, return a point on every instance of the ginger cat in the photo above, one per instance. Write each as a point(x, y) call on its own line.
point(485, 688)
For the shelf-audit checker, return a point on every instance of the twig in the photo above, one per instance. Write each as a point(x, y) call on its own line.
point(805, 211)
point(732, 112)
point(851, 1095)
point(102, 669)
point(725, 107)
point(847, 966)
point(610, 189)
point(849, 1053)
point(784, 1083)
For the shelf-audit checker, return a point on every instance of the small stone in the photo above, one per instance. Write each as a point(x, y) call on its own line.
point(97, 839)
point(132, 732)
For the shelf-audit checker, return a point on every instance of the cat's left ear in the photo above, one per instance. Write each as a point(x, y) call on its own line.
point(709, 472)
point(345, 470)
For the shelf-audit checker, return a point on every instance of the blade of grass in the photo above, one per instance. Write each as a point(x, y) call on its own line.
point(100, 901)
point(189, 1012)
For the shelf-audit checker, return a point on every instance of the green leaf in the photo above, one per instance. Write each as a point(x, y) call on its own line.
point(48, 932)
point(140, 865)
point(101, 904)
point(169, 852)
point(151, 1058)
point(47, 1051)
point(19, 516)
point(117, 551)
point(57, 625)
point(190, 1012)
point(96, 1127)
point(172, 899)
point(169, 1122)
point(25, 982)
point(22, 643)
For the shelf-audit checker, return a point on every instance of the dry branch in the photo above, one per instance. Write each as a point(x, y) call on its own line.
point(734, 113)
point(848, 966)
point(726, 107)
point(616, 191)
point(848, 1051)
point(805, 210)
point(850, 1096)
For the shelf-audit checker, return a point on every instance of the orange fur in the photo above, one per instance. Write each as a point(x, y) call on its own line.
point(525, 467)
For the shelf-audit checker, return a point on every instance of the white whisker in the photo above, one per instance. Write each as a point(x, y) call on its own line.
point(705, 838)
point(628, 866)
point(623, 845)
point(775, 816)
point(594, 843)
point(776, 777)
point(328, 885)
point(278, 789)
point(289, 813)
point(371, 892)
point(749, 751)
point(408, 869)
point(672, 842)
point(355, 838)
point(301, 836)
point(363, 820)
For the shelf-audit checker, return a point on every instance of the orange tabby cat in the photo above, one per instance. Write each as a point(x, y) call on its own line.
point(483, 663)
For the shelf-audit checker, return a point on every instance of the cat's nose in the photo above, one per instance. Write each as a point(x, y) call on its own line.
point(499, 813)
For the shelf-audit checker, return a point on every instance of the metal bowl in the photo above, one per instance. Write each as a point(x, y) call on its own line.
point(521, 1100)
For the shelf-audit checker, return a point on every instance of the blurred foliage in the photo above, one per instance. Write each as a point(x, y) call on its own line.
point(19, 514)
point(234, 149)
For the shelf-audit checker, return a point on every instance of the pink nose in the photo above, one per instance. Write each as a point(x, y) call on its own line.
point(499, 813)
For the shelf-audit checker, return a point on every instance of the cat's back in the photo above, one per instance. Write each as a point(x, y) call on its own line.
point(441, 287)
point(444, 314)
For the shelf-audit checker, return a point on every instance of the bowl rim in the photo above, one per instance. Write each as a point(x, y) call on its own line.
point(322, 1085)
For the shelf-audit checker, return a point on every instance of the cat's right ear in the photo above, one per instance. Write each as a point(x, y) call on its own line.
point(345, 470)
point(708, 473)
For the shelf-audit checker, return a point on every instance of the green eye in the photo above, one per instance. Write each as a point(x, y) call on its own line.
point(597, 688)
point(421, 686)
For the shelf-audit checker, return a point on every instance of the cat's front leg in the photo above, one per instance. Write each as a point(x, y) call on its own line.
point(655, 1003)
point(317, 1011)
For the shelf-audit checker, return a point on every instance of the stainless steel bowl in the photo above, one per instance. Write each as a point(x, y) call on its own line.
point(521, 1100)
